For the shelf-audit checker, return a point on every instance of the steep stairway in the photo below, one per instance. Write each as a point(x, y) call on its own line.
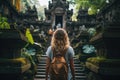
point(79, 69)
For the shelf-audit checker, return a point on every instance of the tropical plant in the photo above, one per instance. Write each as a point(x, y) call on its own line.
point(3, 23)
point(93, 6)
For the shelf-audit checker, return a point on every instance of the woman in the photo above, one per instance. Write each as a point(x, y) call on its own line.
point(60, 42)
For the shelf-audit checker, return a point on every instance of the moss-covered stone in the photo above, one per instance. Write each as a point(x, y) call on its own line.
point(103, 62)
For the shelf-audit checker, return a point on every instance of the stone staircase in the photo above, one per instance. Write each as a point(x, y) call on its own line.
point(79, 70)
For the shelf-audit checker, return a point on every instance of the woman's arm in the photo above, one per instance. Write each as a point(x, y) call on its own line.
point(72, 68)
point(47, 67)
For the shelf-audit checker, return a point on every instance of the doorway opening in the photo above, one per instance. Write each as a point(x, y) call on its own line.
point(59, 20)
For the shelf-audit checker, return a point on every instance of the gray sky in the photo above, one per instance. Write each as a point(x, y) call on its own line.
point(43, 2)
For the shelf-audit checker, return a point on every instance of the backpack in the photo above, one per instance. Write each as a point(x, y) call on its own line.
point(58, 68)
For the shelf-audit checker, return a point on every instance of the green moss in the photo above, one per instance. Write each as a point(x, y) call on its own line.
point(13, 61)
point(104, 62)
point(96, 60)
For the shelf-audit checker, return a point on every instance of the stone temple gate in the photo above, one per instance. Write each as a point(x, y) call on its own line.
point(57, 14)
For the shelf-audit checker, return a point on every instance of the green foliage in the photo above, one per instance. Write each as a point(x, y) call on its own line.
point(96, 60)
point(3, 23)
point(13, 61)
point(95, 6)
point(91, 32)
point(92, 5)
point(26, 55)
point(98, 3)
point(82, 4)
point(104, 62)
point(92, 10)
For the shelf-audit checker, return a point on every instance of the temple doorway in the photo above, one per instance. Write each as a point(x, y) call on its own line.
point(59, 20)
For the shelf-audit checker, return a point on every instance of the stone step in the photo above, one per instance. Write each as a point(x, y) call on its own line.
point(76, 71)
point(43, 73)
point(78, 67)
point(41, 68)
point(39, 76)
point(80, 77)
point(39, 79)
point(44, 56)
point(44, 61)
point(80, 74)
point(41, 64)
point(76, 77)
point(44, 66)
point(76, 62)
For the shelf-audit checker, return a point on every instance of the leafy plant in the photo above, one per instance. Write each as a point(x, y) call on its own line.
point(3, 23)
point(93, 6)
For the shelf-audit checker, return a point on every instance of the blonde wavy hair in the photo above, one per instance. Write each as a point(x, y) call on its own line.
point(60, 40)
